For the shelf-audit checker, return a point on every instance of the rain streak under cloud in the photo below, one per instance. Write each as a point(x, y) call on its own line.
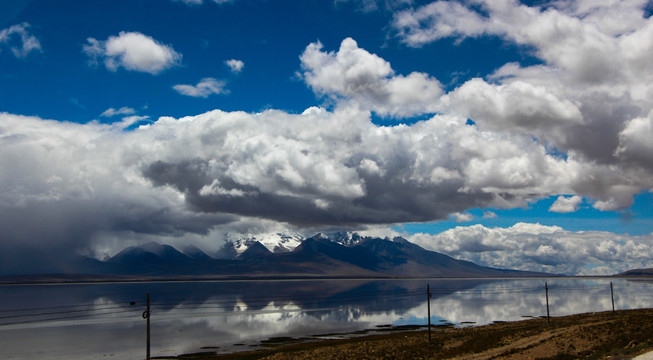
point(576, 125)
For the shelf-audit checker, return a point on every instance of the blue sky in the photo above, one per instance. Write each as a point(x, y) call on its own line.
point(267, 36)
point(178, 121)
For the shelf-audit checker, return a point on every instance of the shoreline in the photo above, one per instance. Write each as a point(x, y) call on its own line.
point(26, 280)
point(621, 335)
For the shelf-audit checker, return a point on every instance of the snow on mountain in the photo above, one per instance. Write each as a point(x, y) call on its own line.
point(237, 244)
point(345, 238)
point(278, 242)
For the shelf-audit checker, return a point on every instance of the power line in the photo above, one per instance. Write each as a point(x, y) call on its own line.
point(61, 312)
point(66, 317)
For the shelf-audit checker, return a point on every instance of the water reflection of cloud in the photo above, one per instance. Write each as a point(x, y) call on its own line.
point(224, 314)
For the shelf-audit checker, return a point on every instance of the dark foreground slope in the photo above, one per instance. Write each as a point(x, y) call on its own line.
point(622, 335)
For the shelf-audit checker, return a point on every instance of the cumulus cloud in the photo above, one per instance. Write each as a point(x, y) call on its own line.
point(355, 74)
point(635, 141)
point(316, 169)
point(204, 88)
point(515, 105)
point(234, 65)
point(437, 20)
point(587, 100)
point(110, 112)
point(133, 51)
point(536, 247)
point(19, 40)
point(565, 204)
point(72, 182)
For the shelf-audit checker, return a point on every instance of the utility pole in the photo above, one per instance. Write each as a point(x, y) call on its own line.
point(612, 296)
point(428, 308)
point(146, 316)
point(546, 289)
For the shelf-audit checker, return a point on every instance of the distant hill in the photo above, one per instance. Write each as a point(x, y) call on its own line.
point(637, 272)
point(342, 255)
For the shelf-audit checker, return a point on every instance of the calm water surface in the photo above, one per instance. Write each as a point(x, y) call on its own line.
point(93, 321)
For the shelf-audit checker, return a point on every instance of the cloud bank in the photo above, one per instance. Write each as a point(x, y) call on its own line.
point(538, 247)
point(589, 98)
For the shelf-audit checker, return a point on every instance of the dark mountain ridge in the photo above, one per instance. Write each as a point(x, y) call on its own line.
point(637, 272)
point(317, 256)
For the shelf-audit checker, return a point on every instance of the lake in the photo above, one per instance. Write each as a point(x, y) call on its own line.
point(104, 320)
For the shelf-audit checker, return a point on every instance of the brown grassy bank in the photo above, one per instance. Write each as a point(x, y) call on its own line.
point(605, 335)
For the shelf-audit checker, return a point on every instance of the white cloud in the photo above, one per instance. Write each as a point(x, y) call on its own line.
point(354, 74)
point(129, 121)
point(489, 215)
point(234, 65)
point(133, 51)
point(587, 100)
point(215, 189)
point(110, 112)
point(462, 217)
point(204, 88)
point(19, 40)
point(316, 169)
point(437, 20)
point(635, 141)
point(536, 247)
point(515, 105)
point(612, 17)
point(565, 204)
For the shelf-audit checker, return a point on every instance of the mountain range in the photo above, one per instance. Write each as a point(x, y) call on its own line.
point(282, 255)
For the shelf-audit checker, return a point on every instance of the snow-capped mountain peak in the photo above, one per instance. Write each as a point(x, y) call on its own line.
point(345, 238)
point(236, 244)
point(279, 242)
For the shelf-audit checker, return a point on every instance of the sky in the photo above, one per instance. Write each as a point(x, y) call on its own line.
point(513, 134)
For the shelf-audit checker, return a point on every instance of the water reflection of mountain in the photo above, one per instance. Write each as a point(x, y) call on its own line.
point(189, 315)
point(362, 297)
point(455, 299)
point(366, 295)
